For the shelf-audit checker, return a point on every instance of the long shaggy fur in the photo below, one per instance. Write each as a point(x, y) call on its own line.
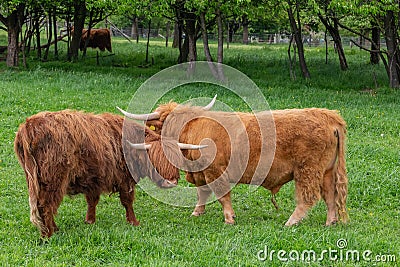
point(309, 149)
point(100, 38)
point(71, 152)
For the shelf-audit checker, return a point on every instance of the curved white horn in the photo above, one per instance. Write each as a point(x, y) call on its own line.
point(141, 117)
point(141, 146)
point(211, 104)
point(190, 146)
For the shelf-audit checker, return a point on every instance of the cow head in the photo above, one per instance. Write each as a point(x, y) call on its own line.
point(155, 120)
point(164, 156)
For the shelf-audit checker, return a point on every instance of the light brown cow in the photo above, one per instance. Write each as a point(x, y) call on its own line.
point(309, 149)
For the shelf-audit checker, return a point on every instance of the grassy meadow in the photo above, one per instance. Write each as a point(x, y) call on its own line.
point(168, 235)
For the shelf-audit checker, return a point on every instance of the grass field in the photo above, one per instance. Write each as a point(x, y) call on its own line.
point(168, 235)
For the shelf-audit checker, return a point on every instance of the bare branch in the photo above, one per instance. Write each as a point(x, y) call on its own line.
point(366, 49)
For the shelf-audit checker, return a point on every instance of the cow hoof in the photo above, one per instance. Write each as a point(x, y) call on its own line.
point(290, 223)
point(230, 222)
point(89, 221)
point(197, 213)
point(332, 222)
point(134, 223)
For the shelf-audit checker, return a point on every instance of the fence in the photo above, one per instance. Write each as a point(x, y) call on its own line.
point(311, 40)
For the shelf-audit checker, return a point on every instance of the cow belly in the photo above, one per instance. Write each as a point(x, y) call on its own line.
point(91, 185)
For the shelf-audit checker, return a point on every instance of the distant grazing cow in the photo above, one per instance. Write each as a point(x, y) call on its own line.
point(100, 38)
point(309, 149)
point(71, 152)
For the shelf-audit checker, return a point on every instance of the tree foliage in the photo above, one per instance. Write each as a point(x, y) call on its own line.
point(195, 19)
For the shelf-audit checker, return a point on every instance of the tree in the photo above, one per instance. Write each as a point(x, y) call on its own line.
point(385, 16)
point(330, 19)
point(12, 14)
point(293, 11)
point(392, 44)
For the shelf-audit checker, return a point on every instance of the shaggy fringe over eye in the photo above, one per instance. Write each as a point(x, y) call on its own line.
point(164, 155)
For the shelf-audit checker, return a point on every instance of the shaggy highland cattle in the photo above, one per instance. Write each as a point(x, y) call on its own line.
point(100, 38)
point(71, 152)
point(304, 145)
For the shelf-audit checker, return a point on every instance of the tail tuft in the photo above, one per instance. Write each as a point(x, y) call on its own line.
point(341, 177)
point(27, 161)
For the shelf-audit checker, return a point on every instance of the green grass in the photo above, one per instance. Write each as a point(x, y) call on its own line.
point(168, 235)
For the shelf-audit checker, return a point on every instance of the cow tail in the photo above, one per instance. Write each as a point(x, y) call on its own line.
point(341, 176)
point(28, 162)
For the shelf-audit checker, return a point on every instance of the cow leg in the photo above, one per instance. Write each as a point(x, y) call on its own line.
point(226, 203)
point(48, 205)
point(49, 226)
point(221, 188)
point(92, 200)
point(328, 194)
point(203, 192)
point(126, 199)
point(307, 186)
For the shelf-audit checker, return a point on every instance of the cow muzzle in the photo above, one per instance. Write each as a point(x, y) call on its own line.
point(164, 183)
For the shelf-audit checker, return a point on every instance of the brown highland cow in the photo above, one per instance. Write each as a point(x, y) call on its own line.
point(307, 146)
point(71, 152)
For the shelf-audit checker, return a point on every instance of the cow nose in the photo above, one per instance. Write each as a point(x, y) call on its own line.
point(168, 183)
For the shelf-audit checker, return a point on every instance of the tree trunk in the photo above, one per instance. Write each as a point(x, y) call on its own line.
point(55, 32)
point(205, 37)
point(177, 38)
point(68, 22)
point(187, 23)
point(296, 30)
point(376, 43)
point(36, 26)
point(135, 30)
point(232, 28)
point(28, 35)
point(228, 39)
point(167, 32)
point(12, 48)
point(245, 23)
point(148, 42)
point(50, 37)
point(338, 41)
point(79, 21)
point(392, 49)
point(184, 51)
point(14, 22)
point(183, 47)
point(88, 32)
point(220, 51)
point(192, 38)
point(334, 32)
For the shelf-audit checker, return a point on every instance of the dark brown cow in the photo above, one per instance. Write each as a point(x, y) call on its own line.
point(70, 152)
point(100, 38)
point(309, 149)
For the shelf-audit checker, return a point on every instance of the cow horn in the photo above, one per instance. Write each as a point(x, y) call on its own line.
point(141, 117)
point(211, 104)
point(141, 146)
point(190, 146)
